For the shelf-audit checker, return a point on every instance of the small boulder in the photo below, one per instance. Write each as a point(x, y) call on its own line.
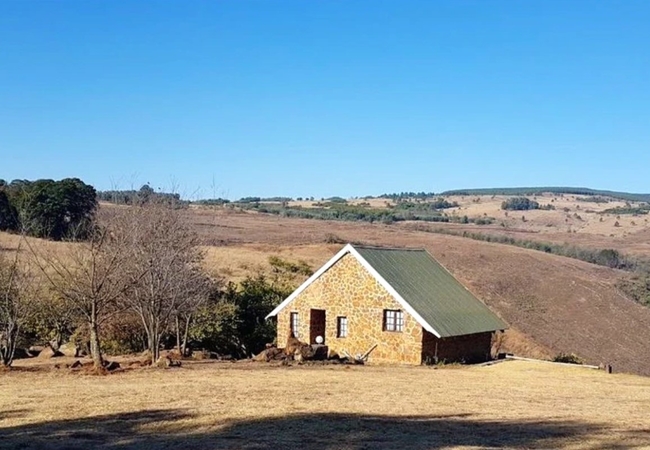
point(261, 356)
point(306, 352)
point(320, 352)
point(201, 355)
point(76, 365)
point(49, 352)
point(293, 343)
point(166, 361)
point(35, 350)
point(69, 349)
point(111, 365)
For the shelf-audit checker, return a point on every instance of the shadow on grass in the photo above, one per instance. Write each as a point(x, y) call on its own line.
point(13, 414)
point(158, 429)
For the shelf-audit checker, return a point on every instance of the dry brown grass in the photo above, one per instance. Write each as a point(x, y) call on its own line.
point(256, 406)
point(553, 304)
point(235, 263)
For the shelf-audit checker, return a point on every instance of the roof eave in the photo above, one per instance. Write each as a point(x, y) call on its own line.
point(345, 250)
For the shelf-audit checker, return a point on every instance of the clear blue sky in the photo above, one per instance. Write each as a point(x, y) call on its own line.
point(323, 98)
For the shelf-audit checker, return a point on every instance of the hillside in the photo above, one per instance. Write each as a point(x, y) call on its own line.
point(628, 196)
point(592, 221)
point(554, 304)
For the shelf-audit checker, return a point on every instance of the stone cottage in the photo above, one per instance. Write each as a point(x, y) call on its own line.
point(401, 300)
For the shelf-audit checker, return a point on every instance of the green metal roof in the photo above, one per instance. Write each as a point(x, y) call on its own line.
point(441, 300)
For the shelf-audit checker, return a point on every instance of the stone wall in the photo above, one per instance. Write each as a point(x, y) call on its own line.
point(347, 289)
point(470, 348)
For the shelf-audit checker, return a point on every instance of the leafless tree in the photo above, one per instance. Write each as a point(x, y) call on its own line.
point(16, 304)
point(185, 313)
point(166, 282)
point(88, 277)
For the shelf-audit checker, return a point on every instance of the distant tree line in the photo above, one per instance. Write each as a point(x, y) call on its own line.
point(551, 190)
point(629, 210)
point(48, 209)
point(405, 196)
point(212, 202)
point(432, 205)
point(523, 204)
point(362, 213)
point(603, 257)
point(346, 212)
point(145, 194)
point(519, 204)
point(594, 199)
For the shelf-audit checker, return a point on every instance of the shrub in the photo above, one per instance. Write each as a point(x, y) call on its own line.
point(568, 358)
point(519, 204)
point(332, 238)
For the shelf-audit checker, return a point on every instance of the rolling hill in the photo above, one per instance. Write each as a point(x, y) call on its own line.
point(554, 304)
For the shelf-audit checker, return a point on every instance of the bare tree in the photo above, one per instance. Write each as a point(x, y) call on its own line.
point(186, 311)
point(89, 278)
point(16, 305)
point(165, 278)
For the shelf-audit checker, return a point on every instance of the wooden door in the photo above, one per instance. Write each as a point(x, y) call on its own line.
point(316, 325)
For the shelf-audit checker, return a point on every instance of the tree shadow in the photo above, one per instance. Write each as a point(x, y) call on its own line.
point(13, 414)
point(164, 429)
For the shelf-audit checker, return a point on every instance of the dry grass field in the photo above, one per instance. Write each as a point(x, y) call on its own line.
point(583, 224)
point(257, 406)
point(553, 304)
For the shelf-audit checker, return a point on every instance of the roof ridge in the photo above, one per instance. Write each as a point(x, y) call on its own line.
point(375, 247)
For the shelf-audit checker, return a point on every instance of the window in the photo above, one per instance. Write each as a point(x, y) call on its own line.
point(341, 327)
point(393, 320)
point(294, 324)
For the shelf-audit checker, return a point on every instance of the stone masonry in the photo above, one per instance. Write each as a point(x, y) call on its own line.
point(348, 290)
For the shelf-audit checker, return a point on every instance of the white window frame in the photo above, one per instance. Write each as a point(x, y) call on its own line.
point(341, 327)
point(294, 322)
point(394, 320)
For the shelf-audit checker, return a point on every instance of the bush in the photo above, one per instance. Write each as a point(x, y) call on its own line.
point(568, 358)
point(519, 204)
point(332, 238)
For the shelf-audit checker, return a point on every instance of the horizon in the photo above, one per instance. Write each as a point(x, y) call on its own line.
point(597, 191)
point(326, 99)
point(456, 191)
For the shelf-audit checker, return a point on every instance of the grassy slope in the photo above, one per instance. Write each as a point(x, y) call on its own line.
point(554, 304)
point(257, 406)
point(562, 305)
point(522, 191)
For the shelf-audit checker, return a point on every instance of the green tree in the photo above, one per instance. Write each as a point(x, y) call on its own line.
point(8, 214)
point(55, 209)
point(254, 299)
point(214, 326)
point(519, 204)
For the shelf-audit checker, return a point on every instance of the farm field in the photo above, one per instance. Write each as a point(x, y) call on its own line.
point(247, 405)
